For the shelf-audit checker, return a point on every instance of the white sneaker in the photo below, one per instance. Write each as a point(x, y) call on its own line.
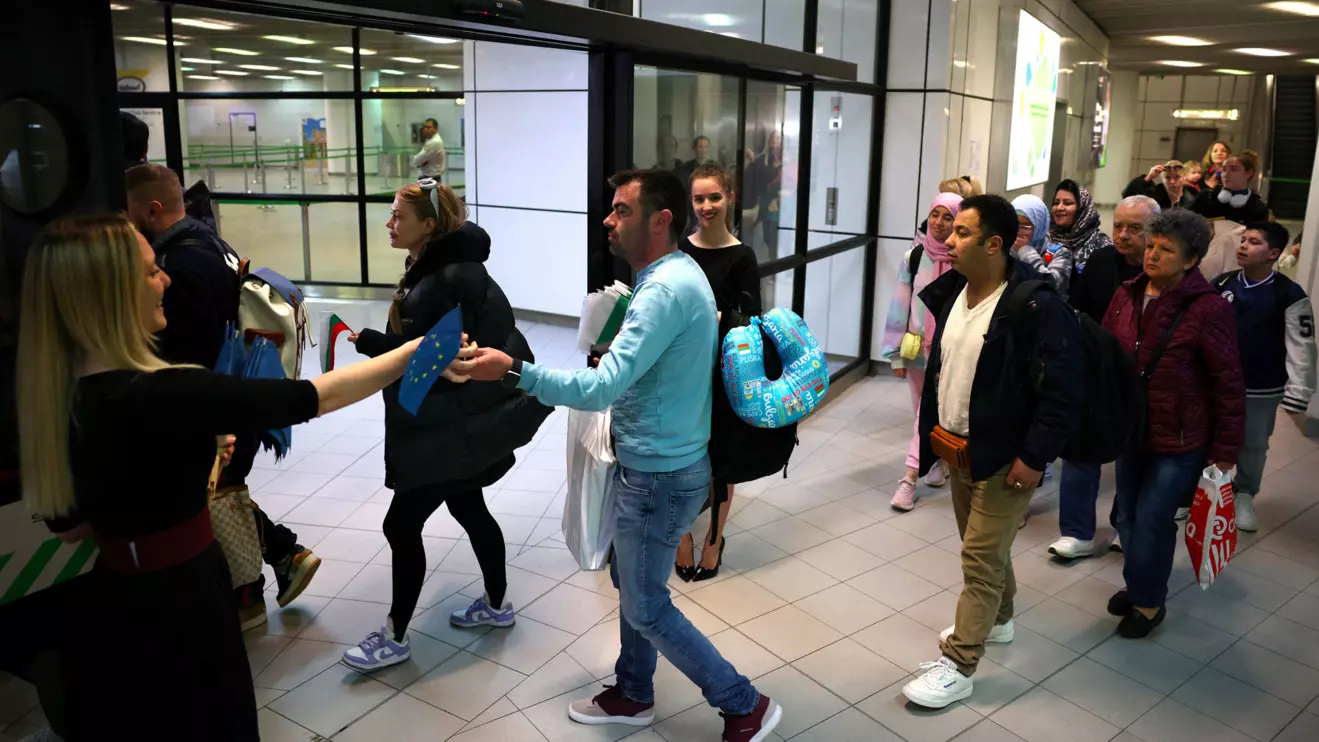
point(1072, 548)
point(941, 685)
point(378, 650)
point(1246, 519)
point(1116, 545)
point(997, 635)
point(1182, 514)
point(938, 475)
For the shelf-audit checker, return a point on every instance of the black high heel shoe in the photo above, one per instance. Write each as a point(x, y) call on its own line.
point(685, 572)
point(706, 574)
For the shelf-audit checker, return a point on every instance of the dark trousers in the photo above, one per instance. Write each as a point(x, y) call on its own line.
point(1077, 494)
point(408, 512)
point(1150, 487)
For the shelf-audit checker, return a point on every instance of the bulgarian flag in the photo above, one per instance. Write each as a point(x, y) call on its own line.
point(331, 329)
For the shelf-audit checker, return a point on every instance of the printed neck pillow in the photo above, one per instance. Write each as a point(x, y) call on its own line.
point(795, 394)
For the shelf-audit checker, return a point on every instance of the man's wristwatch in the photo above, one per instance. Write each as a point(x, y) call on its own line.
point(514, 375)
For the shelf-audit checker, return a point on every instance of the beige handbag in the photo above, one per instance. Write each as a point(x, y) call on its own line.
point(234, 520)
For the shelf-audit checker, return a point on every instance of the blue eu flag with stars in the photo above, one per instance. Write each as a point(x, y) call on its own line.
point(437, 350)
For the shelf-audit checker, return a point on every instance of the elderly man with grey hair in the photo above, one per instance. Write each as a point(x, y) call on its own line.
point(1092, 291)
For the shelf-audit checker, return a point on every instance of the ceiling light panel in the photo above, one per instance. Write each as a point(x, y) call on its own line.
point(203, 23)
point(1257, 51)
point(1180, 41)
point(289, 39)
point(231, 50)
point(1307, 9)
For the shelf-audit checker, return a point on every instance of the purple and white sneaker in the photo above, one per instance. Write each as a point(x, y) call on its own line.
point(480, 613)
point(378, 650)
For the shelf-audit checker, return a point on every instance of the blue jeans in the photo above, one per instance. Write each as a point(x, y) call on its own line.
point(1077, 494)
point(654, 510)
point(1150, 488)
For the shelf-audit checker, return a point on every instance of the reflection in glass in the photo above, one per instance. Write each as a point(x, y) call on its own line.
point(769, 192)
point(410, 63)
point(223, 52)
point(34, 156)
point(274, 146)
point(414, 138)
point(139, 46)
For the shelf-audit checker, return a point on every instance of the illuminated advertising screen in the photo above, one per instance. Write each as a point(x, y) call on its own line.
point(1034, 91)
point(1099, 135)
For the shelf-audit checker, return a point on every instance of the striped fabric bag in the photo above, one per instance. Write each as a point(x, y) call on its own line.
point(32, 558)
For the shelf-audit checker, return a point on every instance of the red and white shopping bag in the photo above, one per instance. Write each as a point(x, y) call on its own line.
point(1211, 531)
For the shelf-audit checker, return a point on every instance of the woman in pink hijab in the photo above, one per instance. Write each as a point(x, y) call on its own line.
point(909, 330)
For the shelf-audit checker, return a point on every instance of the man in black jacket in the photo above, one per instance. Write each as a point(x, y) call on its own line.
point(1109, 268)
point(1003, 393)
point(201, 299)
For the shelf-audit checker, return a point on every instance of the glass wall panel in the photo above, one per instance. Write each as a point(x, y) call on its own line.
point(222, 52)
point(768, 196)
point(274, 146)
point(333, 242)
point(268, 235)
point(398, 137)
point(834, 287)
point(840, 163)
point(411, 63)
point(384, 262)
point(141, 63)
point(778, 22)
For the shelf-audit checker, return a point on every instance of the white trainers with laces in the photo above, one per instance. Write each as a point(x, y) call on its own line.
point(941, 684)
point(938, 475)
point(1002, 634)
point(1246, 518)
point(1072, 548)
point(904, 499)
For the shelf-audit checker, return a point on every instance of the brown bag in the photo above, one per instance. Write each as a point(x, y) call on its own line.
point(950, 447)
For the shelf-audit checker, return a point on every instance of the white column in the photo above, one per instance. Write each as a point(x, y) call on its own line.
point(1307, 274)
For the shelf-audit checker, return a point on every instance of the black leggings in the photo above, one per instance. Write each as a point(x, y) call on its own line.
point(407, 514)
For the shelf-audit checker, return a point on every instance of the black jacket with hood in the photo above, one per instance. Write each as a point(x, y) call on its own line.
point(202, 295)
point(1028, 388)
point(463, 434)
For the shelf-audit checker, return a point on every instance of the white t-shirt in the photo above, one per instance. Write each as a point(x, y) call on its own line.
point(963, 338)
point(430, 161)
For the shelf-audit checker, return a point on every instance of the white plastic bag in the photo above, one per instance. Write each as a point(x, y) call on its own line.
point(588, 510)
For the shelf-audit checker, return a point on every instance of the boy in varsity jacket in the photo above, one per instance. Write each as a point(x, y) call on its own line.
point(1275, 334)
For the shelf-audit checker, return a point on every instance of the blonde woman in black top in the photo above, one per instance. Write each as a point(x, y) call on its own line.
point(734, 277)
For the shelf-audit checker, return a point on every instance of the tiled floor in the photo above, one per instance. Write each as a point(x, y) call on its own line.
point(828, 600)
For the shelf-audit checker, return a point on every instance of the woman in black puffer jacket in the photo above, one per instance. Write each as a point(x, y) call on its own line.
point(463, 436)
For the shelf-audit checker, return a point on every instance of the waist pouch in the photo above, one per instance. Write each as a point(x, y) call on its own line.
point(950, 447)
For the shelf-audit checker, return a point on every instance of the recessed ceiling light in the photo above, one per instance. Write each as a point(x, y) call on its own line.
point(305, 72)
point(427, 77)
point(145, 40)
point(349, 50)
point(188, 69)
point(1226, 71)
point(304, 60)
point(199, 23)
point(258, 67)
point(1256, 51)
point(231, 50)
point(433, 39)
point(1311, 61)
point(718, 19)
point(1310, 9)
point(1180, 40)
point(1181, 63)
point(231, 73)
point(344, 66)
point(409, 60)
point(199, 60)
point(447, 66)
point(288, 39)
point(392, 72)
point(279, 77)
point(202, 77)
point(118, 6)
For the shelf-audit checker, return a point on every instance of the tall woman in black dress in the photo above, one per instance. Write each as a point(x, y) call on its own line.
point(116, 438)
point(734, 276)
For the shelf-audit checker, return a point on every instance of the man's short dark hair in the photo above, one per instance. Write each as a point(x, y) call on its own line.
point(998, 218)
point(1274, 233)
point(136, 135)
point(433, 122)
point(1188, 230)
point(660, 190)
point(697, 140)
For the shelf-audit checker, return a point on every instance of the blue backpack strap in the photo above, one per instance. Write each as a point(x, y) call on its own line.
point(286, 288)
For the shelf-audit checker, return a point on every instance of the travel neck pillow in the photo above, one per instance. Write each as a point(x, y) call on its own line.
point(758, 400)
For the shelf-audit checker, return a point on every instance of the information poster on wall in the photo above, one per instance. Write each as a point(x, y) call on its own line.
point(1034, 91)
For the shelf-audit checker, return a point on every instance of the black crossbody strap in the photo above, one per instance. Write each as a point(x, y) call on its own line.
point(1165, 339)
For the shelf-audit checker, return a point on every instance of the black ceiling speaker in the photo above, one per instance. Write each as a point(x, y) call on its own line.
point(507, 11)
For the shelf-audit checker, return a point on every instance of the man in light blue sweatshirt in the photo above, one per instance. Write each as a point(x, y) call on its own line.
point(656, 378)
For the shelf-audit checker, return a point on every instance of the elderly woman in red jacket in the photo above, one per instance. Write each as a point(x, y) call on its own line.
point(1195, 404)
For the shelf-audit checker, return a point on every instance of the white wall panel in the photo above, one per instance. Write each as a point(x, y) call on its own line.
point(784, 21)
point(533, 149)
point(515, 67)
point(932, 148)
point(538, 258)
point(841, 159)
point(833, 299)
point(939, 52)
point(901, 167)
point(906, 56)
point(982, 47)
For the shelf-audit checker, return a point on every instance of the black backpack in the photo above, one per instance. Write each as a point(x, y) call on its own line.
point(740, 452)
point(1113, 411)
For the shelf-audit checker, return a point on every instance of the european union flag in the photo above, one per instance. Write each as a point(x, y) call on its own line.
point(438, 349)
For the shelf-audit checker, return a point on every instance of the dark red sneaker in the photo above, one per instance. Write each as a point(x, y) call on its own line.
point(755, 726)
point(612, 707)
